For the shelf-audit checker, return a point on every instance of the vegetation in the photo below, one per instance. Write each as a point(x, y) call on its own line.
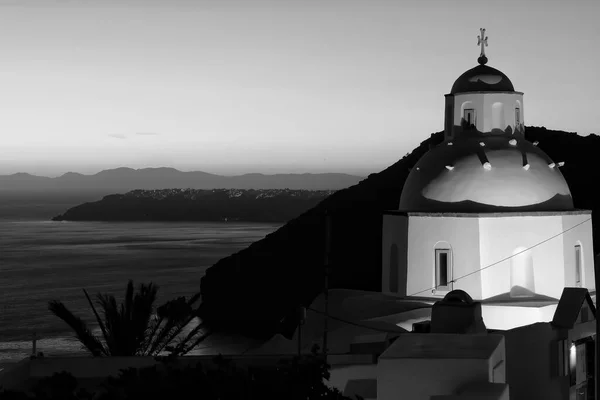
point(136, 328)
point(300, 378)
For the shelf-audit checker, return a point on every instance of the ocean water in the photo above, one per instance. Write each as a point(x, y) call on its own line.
point(42, 260)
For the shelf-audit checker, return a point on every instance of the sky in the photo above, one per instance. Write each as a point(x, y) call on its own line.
point(237, 86)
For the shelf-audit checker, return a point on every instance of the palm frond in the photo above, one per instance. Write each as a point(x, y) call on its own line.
point(82, 332)
point(99, 320)
point(186, 347)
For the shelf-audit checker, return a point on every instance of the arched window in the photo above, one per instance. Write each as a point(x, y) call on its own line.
point(498, 116)
point(522, 282)
point(443, 267)
point(469, 118)
point(394, 261)
point(578, 265)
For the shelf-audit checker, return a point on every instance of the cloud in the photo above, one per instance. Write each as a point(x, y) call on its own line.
point(147, 133)
point(117, 135)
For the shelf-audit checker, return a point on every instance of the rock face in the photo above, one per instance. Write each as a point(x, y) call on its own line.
point(277, 205)
point(256, 291)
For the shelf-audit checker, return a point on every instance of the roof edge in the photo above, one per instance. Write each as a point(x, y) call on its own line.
point(487, 214)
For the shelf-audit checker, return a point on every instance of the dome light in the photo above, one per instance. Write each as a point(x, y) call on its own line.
point(560, 164)
point(418, 169)
point(449, 167)
point(487, 165)
point(513, 142)
point(551, 165)
point(449, 143)
point(526, 167)
point(481, 144)
point(536, 143)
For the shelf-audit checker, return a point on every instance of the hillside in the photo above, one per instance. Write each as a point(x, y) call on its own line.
point(198, 205)
point(253, 290)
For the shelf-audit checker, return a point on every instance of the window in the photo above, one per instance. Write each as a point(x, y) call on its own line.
point(469, 117)
point(578, 265)
point(443, 270)
point(517, 116)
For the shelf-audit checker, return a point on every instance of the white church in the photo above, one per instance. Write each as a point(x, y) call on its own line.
point(486, 234)
point(488, 212)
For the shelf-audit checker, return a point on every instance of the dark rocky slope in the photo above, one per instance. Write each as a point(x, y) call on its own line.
point(253, 290)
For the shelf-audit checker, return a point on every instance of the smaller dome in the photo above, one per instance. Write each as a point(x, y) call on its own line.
point(482, 79)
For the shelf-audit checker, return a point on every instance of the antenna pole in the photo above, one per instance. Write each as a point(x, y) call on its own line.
point(326, 286)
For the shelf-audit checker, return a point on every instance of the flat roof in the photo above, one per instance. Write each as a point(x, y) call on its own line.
point(488, 214)
point(444, 346)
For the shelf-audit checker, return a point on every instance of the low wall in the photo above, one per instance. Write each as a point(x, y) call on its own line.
point(94, 368)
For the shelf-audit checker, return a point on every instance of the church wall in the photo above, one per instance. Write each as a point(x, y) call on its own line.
point(509, 102)
point(449, 118)
point(394, 253)
point(468, 100)
point(489, 107)
point(501, 237)
point(581, 235)
point(424, 232)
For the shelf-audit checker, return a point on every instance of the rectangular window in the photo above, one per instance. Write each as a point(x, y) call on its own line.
point(469, 117)
point(578, 265)
point(517, 116)
point(443, 269)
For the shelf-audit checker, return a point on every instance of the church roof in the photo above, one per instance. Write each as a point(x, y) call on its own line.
point(482, 78)
point(453, 177)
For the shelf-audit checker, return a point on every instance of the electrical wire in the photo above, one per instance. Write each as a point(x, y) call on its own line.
point(352, 323)
point(454, 280)
point(460, 277)
point(507, 258)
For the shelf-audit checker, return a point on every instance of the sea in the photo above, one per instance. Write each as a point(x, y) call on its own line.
point(42, 260)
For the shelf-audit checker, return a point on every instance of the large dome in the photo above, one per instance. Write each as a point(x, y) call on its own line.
point(469, 187)
point(482, 79)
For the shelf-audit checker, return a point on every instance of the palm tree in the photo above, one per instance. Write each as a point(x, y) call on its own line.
point(133, 329)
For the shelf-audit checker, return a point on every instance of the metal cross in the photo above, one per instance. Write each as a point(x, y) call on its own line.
point(482, 41)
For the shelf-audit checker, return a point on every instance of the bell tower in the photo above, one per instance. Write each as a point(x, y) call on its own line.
point(483, 100)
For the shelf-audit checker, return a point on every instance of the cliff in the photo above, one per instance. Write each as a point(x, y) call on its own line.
point(255, 291)
point(277, 205)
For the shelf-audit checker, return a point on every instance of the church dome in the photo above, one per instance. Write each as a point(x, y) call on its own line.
point(486, 174)
point(482, 78)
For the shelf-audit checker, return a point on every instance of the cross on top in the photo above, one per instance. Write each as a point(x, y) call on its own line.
point(482, 41)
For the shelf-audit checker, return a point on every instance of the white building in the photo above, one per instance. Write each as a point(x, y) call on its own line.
point(488, 212)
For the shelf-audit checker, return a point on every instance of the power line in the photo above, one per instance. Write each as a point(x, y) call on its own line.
point(454, 280)
point(507, 258)
point(460, 277)
point(352, 323)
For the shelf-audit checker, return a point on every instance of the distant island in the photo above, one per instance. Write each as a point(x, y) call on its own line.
point(263, 205)
point(120, 180)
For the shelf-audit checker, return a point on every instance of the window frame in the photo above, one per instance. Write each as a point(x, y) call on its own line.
point(517, 116)
point(468, 125)
point(578, 266)
point(437, 270)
